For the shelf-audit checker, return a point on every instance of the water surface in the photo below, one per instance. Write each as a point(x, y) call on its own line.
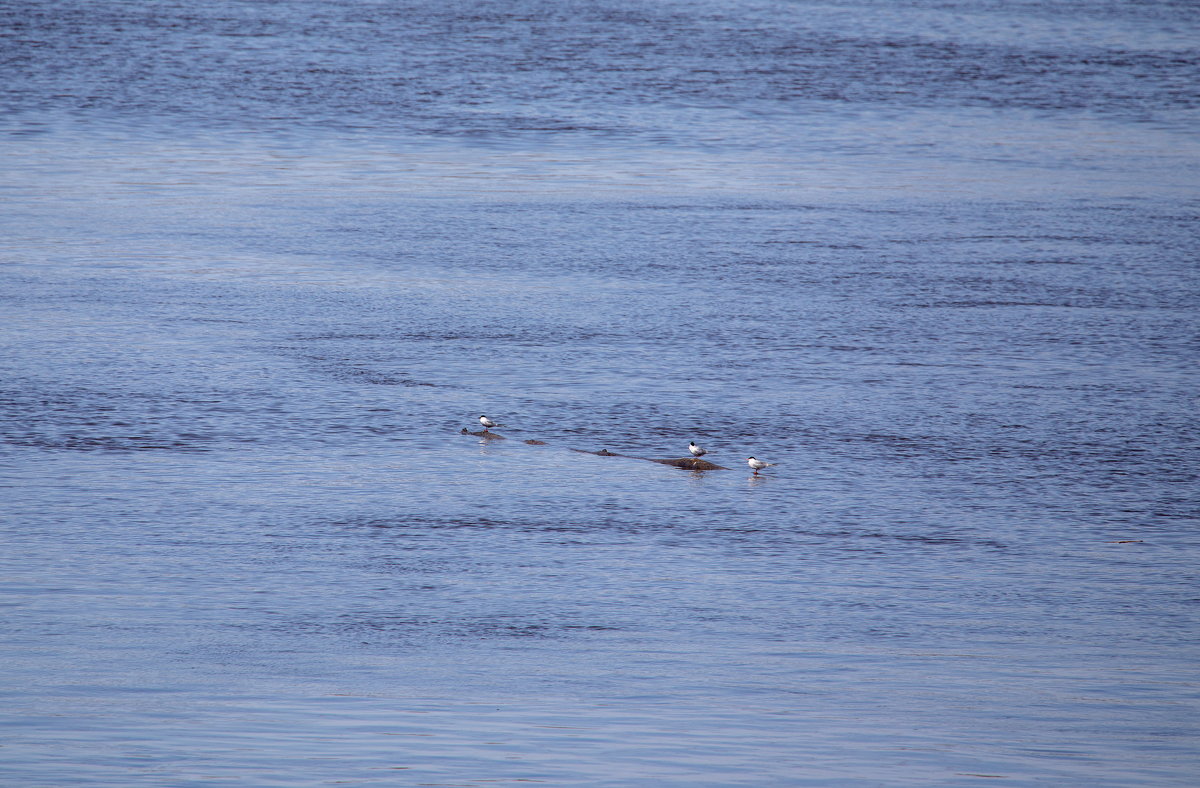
point(261, 263)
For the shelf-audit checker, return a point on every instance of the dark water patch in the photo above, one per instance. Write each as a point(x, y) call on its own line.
point(620, 520)
point(334, 336)
point(103, 443)
point(986, 304)
point(119, 419)
point(424, 632)
point(410, 523)
point(211, 69)
point(348, 373)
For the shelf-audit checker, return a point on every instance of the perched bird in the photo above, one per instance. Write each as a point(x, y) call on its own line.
point(486, 422)
point(758, 465)
point(696, 450)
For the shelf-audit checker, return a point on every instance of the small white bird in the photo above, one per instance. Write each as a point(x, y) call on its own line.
point(758, 465)
point(486, 422)
point(696, 450)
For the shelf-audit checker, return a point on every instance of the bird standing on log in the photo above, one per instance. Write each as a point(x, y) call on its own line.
point(696, 450)
point(487, 423)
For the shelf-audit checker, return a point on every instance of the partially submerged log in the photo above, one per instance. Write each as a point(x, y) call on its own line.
point(691, 463)
point(687, 463)
point(495, 436)
point(484, 434)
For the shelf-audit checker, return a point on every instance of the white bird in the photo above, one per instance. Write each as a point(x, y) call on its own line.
point(696, 450)
point(486, 422)
point(758, 465)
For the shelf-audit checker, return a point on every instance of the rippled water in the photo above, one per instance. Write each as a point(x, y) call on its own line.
point(262, 263)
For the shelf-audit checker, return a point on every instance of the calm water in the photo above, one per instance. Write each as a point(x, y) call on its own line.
point(262, 262)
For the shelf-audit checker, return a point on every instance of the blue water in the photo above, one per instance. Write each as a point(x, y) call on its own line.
point(262, 263)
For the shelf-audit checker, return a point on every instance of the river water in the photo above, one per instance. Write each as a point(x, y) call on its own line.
point(261, 263)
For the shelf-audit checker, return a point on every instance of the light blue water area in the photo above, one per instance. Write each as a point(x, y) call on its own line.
point(260, 265)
